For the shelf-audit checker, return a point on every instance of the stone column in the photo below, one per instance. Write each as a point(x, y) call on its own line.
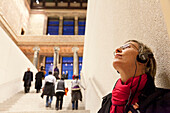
point(60, 32)
point(75, 25)
point(36, 53)
point(56, 57)
point(75, 60)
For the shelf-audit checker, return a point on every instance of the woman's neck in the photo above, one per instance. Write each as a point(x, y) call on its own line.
point(126, 75)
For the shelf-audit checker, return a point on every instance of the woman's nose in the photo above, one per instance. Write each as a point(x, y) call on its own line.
point(118, 50)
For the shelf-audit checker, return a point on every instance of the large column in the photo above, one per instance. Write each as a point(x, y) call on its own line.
point(75, 25)
point(56, 57)
point(41, 61)
point(75, 60)
point(36, 53)
point(60, 32)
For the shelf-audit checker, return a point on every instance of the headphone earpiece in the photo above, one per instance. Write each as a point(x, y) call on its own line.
point(143, 57)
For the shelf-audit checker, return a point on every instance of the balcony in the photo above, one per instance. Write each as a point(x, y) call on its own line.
point(47, 43)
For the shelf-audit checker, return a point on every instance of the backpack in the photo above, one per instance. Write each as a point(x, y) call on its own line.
point(106, 104)
point(158, 102)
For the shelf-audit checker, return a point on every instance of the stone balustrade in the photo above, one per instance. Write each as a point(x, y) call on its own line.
point(51, 40)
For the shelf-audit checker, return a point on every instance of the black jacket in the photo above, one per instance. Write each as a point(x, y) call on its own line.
point(157, 102)
point(151, 100)
point(28, 77)
point(49, 89)
point(38, 80)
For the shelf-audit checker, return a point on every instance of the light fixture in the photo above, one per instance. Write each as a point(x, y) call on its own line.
point(37, 1)
point(66, 64)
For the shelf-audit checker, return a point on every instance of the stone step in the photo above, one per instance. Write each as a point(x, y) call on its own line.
point(52, 111)
point(5, 105)
point(33, 103)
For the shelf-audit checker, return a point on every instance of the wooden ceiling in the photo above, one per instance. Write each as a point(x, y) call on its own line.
point(58, 4)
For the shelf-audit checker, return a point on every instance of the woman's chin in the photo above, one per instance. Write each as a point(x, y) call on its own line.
point(117, 61)
point(117, 64)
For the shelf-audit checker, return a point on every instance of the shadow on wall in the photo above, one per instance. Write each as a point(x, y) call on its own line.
point(163, 79)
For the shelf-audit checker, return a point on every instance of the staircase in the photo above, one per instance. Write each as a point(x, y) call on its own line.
point(33, 103)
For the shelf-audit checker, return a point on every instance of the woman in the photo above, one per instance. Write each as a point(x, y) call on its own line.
point(137, 67)
point(76, 92)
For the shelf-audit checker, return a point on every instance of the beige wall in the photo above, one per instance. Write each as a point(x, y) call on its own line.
point(165, 4)
point(36, 24)
point(109, 24)
point(12, 67)
point(16, 14)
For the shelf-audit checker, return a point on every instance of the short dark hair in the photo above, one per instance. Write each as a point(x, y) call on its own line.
point(76, 76)
point(50, 72)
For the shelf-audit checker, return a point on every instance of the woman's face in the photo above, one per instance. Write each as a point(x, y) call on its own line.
point(125, 56)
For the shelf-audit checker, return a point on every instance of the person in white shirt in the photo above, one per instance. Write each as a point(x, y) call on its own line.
point(76, 92)
point(49, 88)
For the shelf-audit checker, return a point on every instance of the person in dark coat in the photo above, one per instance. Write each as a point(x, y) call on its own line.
point(38, 80)
point(49, 88)
point(56, 72)
point(28, 77)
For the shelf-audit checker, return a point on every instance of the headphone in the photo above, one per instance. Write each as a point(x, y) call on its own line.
point(143, 56)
